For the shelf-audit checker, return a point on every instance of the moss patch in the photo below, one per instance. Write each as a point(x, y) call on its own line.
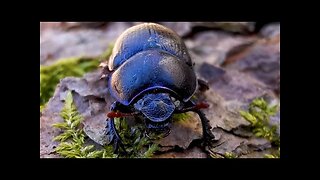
point(72, 138)
point(180, 117)
point(51, 75)
point(258, 115)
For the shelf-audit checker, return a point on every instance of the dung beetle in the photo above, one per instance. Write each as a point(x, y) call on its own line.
point(151, 75)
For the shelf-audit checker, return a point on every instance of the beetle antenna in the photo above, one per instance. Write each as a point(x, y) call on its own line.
point(201, 105)
point(114, 114)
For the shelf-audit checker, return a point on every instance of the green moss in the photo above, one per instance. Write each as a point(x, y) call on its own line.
point(275, 155)
point(227, 155)
point(230, 155)
point(258, 115)
point(135, 141)
point(180, 117)
point(51, 75)
point(42, 107)
point(72, 143)
point(72, 139)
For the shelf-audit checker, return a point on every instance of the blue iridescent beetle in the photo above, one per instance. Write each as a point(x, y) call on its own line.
point(150, 74)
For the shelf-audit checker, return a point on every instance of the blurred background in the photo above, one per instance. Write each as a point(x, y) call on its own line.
point(65, 39)
point(249, 47)
point(69, 39)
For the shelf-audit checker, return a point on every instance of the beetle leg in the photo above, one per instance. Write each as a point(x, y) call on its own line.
point(192, 107)
point(113, 136)
point(206, 128)
point(203, 85)
point(111, 131)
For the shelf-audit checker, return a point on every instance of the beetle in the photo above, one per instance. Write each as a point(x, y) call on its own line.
point(151, 75)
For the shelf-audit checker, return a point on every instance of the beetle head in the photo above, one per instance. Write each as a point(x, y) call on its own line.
point(157, 108)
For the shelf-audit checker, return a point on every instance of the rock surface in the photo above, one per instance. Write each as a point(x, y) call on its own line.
point(58, 42)
point(235, 27)
point(194, 152)
point(270, 30)
point(212, 46)
point(238, 68)
point(261, 61)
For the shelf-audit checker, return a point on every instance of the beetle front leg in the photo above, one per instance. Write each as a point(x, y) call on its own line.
point(206, 127)
point(113, 136)
point(111, 131)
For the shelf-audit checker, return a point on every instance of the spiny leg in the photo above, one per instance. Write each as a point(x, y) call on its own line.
point(207, 134)
point(206, 128)
point(111, 131)
point(113, 136)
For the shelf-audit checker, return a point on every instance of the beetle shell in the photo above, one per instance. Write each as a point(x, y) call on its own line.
point(152, 69)
point(147, 36)
point(147, 57)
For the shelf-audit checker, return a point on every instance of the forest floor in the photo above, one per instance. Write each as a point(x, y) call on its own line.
point(240, 62)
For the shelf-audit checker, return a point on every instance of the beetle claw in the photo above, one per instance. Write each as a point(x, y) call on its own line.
point(208, 139)
point(114, 137)
point(118, 144)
